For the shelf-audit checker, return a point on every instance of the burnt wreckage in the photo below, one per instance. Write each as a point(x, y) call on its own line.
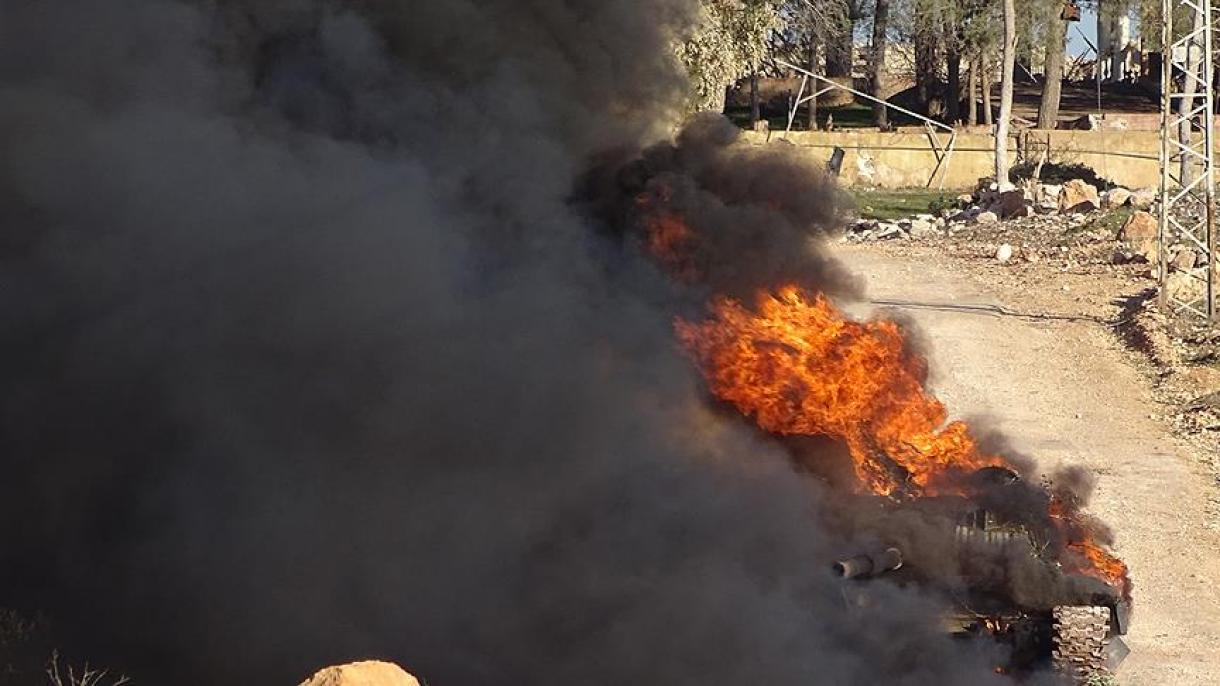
point(1069, 622)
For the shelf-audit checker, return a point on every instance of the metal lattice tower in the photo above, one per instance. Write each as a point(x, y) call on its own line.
point(1188, 203)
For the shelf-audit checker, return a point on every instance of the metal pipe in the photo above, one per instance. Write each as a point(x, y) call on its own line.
point(862, 566)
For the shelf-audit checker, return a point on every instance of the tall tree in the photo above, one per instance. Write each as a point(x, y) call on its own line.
point(985, 81)
point(953, 83)
point(1008, 64)
point(972, 101)
point(881, 17)
point(926, 59)
point(1056, 51)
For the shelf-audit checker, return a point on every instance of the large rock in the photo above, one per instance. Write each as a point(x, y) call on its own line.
point(370, 673)
point(1139, 233)
point(1183, 260)
point(1010, 204)
point(1138, 227)
point(986, 218)
point(1078, 196)
point(1115, 197)
point(1183, 287)
point(1143, 199)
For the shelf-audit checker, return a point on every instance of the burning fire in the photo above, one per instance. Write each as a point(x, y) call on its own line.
point(797, 365)
point(1091, 559)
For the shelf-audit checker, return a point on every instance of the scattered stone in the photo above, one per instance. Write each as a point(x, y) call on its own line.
point(369, 673)
point(1126, 256)
point(1078, 196)
point(1003, 254)
point(922, 227)
point(986, 218)
point(886, 231)
point(1115, 197)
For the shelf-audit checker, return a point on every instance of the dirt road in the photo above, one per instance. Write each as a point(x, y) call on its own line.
point(1068, 392)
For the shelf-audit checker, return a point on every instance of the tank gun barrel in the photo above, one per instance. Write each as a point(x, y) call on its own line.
point(868, 565)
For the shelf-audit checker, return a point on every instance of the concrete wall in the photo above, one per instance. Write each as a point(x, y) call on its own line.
point(905, 158)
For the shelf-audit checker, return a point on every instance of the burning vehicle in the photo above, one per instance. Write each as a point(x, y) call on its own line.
point(1074, 627)
point(1017, 561)
point(926, 502)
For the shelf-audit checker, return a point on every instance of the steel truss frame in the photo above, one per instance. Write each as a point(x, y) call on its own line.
point(1188, 180)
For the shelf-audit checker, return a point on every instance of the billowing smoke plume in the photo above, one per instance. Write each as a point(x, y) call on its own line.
point(313, 351)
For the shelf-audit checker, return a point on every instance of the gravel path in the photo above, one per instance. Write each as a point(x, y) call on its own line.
point(1066, 391)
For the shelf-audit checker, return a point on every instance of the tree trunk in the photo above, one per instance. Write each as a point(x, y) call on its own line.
point(1009, 62)
point(1056, 49)
point(811, 122)
point(754, 108)
point(985, 81)
point(881, 17)
point(838, 51)
point(972, 90)
point(953, 87)
point(925, 69)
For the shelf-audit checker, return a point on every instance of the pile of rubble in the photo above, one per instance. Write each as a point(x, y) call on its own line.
point(1073, 223)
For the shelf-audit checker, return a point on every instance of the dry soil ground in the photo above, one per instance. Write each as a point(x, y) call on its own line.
point(1068, 391)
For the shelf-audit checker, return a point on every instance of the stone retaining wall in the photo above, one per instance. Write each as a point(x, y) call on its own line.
point(905, 158)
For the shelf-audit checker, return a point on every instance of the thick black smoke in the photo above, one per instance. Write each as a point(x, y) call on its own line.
point(308, 355)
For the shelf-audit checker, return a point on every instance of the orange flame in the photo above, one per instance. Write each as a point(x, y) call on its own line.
point(1089, 557)
point(798, 366)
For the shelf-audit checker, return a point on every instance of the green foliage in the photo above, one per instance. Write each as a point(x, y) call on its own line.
point(1109, 221)
point(887, 204)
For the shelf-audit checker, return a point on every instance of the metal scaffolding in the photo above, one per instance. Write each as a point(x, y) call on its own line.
point(1188, 203)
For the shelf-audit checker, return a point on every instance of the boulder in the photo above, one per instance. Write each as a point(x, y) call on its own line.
point(1183, 260)
point(1139, 234)
point(1078, 196)
point(370, 673)
point(1143, 199)
point(1184, 287)
point(986, 218)
point(1139, 226)
point(1115, 197)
